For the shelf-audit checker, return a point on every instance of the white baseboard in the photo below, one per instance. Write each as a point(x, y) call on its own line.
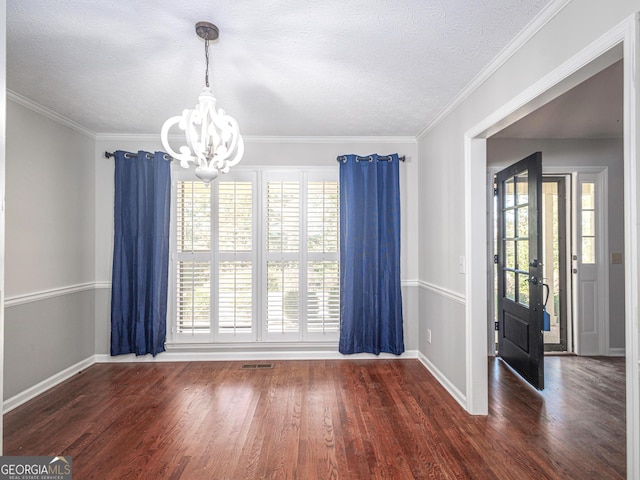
point(45, 385)
point(187, 356)
point(444, 381)
point(617, 352)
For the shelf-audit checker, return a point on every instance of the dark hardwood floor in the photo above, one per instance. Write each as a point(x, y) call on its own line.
point(349, 419)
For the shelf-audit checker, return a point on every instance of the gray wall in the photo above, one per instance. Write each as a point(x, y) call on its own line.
point(571, 153)
point(43, 338)
point(49, 248)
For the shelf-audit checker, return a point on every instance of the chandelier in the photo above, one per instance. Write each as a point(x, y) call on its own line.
point(213, 140)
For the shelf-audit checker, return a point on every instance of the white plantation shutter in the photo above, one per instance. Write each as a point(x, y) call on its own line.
point(236, 257)
point(194, 296)
point(323, 296)
point(323, 217)
point(193, 220)
point(193, 262)
point(283, 255)
point(283, 301)
point(235, 217)
point(283, 216)
point(323, 245)
point(255, 257)
point(235, 296)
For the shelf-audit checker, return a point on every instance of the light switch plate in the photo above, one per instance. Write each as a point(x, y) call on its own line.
point(616, 258)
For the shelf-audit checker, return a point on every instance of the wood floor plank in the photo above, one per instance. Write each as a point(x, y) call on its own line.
point(351, 419)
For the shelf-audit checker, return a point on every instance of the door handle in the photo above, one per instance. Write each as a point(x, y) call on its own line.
point(533, 280)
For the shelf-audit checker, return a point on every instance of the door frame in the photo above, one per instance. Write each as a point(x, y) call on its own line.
point(574, 322)
point(623, 41)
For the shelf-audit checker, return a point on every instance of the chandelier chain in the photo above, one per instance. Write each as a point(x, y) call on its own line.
point(206, 56)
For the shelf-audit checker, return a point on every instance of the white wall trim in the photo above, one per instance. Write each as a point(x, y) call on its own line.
point(45, 385)
point(103, 284)
point(50, 114)
point(147, 137)
point(444, 381)
point(632, 238)
point(331, 140)
point(443, 292)
point(253, 355)
point(475, 314)
point(544, 17)
point(45, 294)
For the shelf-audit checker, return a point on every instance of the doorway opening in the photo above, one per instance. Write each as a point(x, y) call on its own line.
point(556, 250)
point(622, 39)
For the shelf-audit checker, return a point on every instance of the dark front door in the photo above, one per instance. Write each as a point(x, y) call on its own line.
point(520, 317)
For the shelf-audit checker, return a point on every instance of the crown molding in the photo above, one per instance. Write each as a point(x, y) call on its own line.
point(133, 137)
point(533, 27)
point(50, 114)
point(328, 139)
point(147, 137)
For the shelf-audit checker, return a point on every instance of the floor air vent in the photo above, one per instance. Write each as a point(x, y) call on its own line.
point(256, 366)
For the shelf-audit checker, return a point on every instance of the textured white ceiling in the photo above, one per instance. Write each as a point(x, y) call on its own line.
point(281, 67)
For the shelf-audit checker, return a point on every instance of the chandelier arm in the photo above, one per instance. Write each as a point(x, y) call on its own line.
point(185, 155)
point(229, 124)
point(192, 118)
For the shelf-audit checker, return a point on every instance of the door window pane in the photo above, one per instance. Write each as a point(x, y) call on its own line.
point(588, 250)
point(523, 255)
point(510, 285)
point(509, 192)
point(523, 188)
point(510, 250)
point(588, 223)
point(510, 223)
point(523, 222)
point(588, 196)
point(523, 289)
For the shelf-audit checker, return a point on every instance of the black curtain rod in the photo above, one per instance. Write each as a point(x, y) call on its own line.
point(343, 158)
point(134, 155)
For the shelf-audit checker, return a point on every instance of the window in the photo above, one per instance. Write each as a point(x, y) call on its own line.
point(256, 257)
point(588, 222)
